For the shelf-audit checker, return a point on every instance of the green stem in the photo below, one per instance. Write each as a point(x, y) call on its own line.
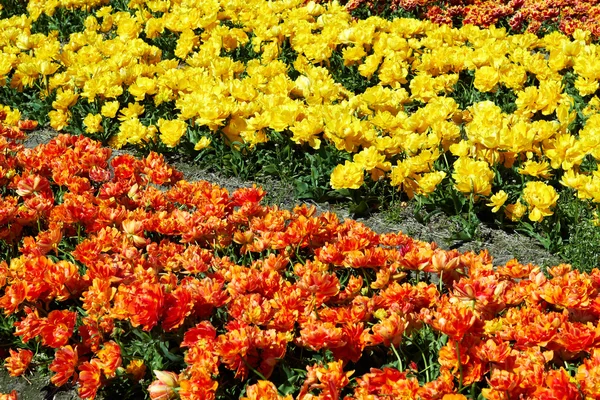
point(398, 358)
point(261, 376)
point(426, 367)
point(460, 368)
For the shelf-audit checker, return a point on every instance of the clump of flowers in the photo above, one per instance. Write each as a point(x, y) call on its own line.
point(431, 109)
point(519, 14)
point(227, 293)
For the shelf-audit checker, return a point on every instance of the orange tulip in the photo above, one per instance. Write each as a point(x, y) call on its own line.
point(177, 306)
point(199, 386)
point(317, 335)
point(14, 295)
point(389, 331)
point(57, 329)
point(454, 320)
point(63, 366)
point(386, 383)
point(110, 358)
point(137, 369)
point(18, 361)
point(330, 380)
point(558, 385)
point(263, 390)
point(14, 395)
point(141, 303)
point(89, 380)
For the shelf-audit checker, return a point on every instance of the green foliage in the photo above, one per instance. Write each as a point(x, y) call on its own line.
point(152, 347)
point(548, 26)
point(466, 95)
point(569, 232)
point(28, 102)
point(63, 21)
point(349, 76)
point(288, 55)
point(384, 9)
point(243, 53)
point(423, 347)
point(11, 8)
point(548, 232)
point(307, 170)
point(159, 351)
point(581, 247)
point(166, 42)
point(291, 378)
point(124, 389)
point(121, 5)
point(7, 338)
point(8, 250)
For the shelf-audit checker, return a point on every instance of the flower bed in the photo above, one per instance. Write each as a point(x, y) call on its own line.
point(118, 268)
point(531, 15)
point(482, 116)
point(119, 277)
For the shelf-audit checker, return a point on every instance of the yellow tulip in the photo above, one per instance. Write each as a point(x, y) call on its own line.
point(59, 119)
point(347, 176)
point(131, 131)
point(171, 131)
point(93, 123)
point(515, 211)
point(141, 87)
point(370, 158)
point(534, 168)
point(497, 200)
point(472, 177)
point(540, 197)
point(486, 79)
point(133, 110)
point(306, 131)
point(109, 109)
point(65, 99)
point(429, 181)
point(203, 143)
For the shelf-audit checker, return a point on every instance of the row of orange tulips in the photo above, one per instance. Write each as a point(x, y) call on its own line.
point(173, 260)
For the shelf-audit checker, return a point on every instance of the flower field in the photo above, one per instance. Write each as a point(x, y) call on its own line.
point(518, 15)
point(119, 278)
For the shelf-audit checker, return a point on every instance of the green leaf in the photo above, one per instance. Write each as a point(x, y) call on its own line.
point(167, 353)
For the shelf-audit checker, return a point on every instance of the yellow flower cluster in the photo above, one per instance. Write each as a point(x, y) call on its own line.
point(417, 64)
point(11, 115)
point(35, 8)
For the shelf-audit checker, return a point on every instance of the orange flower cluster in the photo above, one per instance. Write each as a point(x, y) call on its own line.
point(9, 396)
point(163, 254)
point(568, 15)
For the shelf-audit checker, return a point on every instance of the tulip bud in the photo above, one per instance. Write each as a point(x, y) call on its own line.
point(163, 387)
